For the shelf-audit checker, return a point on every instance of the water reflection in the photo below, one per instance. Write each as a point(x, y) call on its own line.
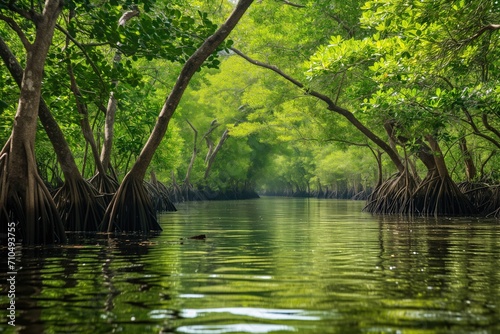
point(442, 271)
point(268, 266)
point(235, 328)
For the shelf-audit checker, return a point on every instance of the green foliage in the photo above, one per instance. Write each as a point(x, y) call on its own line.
point(429, 67)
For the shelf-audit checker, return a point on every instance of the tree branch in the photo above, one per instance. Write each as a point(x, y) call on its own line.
point(286, 2)
point(349, 30)
point(489, 27)
point(332, 107)
point(13, 24)
point(80, 46)
point(188, 70)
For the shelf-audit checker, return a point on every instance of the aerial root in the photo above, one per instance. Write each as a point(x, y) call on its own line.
point(434, 196)
point(31, 208)
point(106, 185)
point(393, 196)
point(440, 196)
point(80, 205)
point(480, 194)
point(160, 196)
point(130, 209)
point(492, 209)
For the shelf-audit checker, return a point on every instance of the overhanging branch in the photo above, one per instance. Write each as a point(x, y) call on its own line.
point(286, 2)
point(332, 107)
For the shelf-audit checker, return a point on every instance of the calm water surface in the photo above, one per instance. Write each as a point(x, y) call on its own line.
point(271, 265)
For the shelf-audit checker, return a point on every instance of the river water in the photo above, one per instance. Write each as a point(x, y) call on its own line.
point(270, 265)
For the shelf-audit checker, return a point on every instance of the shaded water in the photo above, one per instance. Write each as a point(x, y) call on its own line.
point(271, 265)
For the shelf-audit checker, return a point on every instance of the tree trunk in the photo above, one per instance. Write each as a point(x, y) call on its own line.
point(24, 197)
point(56, 136)
point(187, 181)
point(117, 210)
point(211, 157)
point(84, 119)
point(470, 167)
point(438, 156)
point(437, 194)
point(77, 201)
point(108, 132)
point(189, 69)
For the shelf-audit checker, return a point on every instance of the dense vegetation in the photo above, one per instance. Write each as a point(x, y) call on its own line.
point(393, 101)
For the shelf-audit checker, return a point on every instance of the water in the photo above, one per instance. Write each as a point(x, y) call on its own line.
point(271, 265)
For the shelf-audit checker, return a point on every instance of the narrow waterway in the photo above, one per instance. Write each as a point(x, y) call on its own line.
point(270, 265)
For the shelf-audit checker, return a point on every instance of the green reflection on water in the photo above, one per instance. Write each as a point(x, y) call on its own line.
point(271, 265)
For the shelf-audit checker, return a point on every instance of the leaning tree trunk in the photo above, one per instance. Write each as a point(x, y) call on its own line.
point(212, 152)
point(470, 167)
point(400, 185)
point(80, 205)
point(24, 198)
point(104, 183)
point(109, 122)
point(131, 208)
point(441, 196)
point(188, 192)
point(480, 194)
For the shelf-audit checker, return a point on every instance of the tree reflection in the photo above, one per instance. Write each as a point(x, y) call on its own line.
point(436, 267)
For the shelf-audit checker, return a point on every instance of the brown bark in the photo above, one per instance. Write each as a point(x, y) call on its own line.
point(487, 125)
point(56, 136)
point(25, 197)
point(437, 194)
point(23, 133)
point(121, 203)
point(213, 153)
point(477, 131)
point(425, 155)
point(470, 167)
point(438, 156)
point(189, 69)
point(78, 203)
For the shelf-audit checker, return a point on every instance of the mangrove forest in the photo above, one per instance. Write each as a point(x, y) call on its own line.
point(112, 111)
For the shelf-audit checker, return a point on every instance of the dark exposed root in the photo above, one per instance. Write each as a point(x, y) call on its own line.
point(392, 196)
point(187, 192)
point(32, 210)
point(440, 196)
point(229, 194)
point(492, 209)
point(159, 196)
point(362, 195)
point(80, 205)
point(176, 193)
point(105, 185)
point(478, 193)
point(131, 209)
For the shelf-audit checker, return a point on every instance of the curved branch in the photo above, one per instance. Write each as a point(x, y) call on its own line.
point(343, 24)
point(188, 70)
point(29, 15)
point(332, 107)
point(489, 27)
point(13, 24)
point(487, 125)
point(286, 2)
point(80, 46)
point(476, 130)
